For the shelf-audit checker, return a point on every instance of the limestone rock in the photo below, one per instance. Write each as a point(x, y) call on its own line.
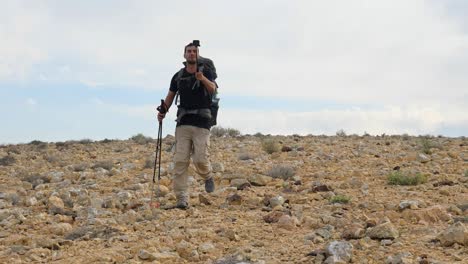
point(217, 167)
point(287, 222)
point(259, 180)
point(55, 205)
point(145, 255)
point(456, 233)
point(383, 231)
point(339, 252)
point(401, 258)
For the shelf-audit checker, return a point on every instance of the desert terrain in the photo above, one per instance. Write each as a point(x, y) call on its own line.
point(278, 199)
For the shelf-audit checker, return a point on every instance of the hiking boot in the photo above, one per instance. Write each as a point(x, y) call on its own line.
point(183, 205)
point(182, 202)
point(209, 185)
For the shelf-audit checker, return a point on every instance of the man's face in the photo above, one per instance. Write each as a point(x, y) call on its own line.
point(191, 54)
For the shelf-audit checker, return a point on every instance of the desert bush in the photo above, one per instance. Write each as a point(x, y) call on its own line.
point(281, 171)
point(106, 140)
point(7, 161)
point(14, 198)
point(34, 179)
point(341, 133)
point(245, 156)
point(426, 144)
point(232, 132)
point(339, 199)
point(60, 144)
point(85, 141)
point(270, 146)
point(40, 145)
point(149, 163)
point(218, 131)
point(51, 158)
point(37, 142)
point(259, 135)
point(399, 178)
point(80, 167)
point(105, 164)
point(141, 139)
point(466, 173)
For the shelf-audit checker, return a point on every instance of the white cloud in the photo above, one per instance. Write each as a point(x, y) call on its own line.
point(91, 83)
point(415, 120)
point(31, 102)
point(409, 57)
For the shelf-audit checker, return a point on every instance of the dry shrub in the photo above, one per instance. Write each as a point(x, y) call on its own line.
point(245, 156)
point(105, 164)
point(399, 178)
point(281, 171)
point(7, 161)
point(141, 139)
point(218, 131)
point(270, 146)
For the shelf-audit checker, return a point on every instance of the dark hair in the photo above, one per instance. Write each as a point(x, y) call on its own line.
point(189, 45)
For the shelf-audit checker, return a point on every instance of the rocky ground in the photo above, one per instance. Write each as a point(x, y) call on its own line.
point(318, 199)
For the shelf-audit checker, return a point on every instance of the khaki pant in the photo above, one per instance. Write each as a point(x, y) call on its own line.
point(190, 138)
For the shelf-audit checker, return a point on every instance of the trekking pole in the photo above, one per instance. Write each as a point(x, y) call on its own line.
point(196, 43)
point(161, 109)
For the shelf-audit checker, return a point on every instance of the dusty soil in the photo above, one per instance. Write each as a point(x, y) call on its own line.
point(319, 199)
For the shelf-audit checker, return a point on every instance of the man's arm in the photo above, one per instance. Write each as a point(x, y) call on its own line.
point(210, 86)
point(167, 103)
point(169, 99)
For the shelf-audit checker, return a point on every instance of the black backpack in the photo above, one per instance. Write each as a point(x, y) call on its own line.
point(214, 107)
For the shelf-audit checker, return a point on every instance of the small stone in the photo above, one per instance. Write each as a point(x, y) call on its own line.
point(354, 232)
point(60, 228)
point(287, 222)
point(163, 191)
point(186, 250)
point(326, 232)
point(145, 255)
point(383, 231)
point(386, 242)
point(286, 149)
point(319, 187)
point(423, 158)
point(238, 183)
point(277, 201)
point(401, 258)
point(456, 233)
point(273, 217)
point(55, 205)
point(408, 204)
point(203, 199)
point(259, 180)
point(339, 252)
point(206, 248)
point(217, 167)
point(234, 199)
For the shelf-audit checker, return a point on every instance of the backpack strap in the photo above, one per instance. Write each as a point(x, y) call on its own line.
point(204, 112)
point(178, 78)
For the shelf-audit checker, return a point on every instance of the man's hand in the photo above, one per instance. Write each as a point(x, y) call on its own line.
point(162, 110)
point(199, 76)
point(161, 116)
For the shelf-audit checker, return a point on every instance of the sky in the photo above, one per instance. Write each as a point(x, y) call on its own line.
point(72, 70)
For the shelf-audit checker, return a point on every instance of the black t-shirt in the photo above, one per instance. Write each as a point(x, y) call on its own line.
point(192, 97)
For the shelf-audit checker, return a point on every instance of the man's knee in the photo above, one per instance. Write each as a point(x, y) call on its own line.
point(203, 168)
point(180, 167)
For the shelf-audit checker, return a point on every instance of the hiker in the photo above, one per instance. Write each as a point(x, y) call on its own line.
point(193, 122)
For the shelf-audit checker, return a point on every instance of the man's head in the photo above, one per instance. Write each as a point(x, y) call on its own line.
point(191, 53)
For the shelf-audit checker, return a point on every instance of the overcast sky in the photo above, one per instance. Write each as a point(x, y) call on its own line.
point(97, 69)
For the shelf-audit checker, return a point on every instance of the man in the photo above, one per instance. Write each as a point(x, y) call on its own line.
point(193, 122)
